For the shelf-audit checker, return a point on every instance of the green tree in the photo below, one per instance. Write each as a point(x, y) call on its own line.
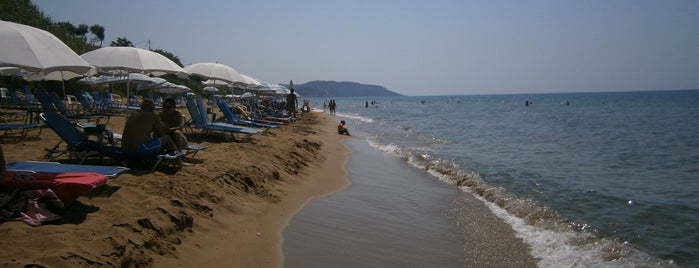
point(169, 55)
point(66, 27)
point(81, 31)
point(98, 31)
point(121, 42)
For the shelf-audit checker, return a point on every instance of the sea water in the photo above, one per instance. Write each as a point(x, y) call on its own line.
point(589, 179)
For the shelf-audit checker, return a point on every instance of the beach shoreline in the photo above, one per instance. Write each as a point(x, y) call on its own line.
point(256, 238)
point(227, 206)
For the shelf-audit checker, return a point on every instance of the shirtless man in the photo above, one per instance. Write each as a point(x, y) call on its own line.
point(174, 119)
point(143, 127)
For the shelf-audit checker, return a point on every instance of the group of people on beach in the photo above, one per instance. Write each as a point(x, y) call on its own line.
point(145, 129)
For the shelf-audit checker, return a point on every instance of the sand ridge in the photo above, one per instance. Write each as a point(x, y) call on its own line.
point(226, 206)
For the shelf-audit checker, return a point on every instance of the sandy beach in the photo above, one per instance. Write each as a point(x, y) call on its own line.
point(227, 206)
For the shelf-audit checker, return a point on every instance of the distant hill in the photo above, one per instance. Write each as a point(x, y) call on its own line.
point(341, 89)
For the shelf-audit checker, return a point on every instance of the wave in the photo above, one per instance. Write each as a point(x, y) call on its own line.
point(355, 117)
point(554, 240)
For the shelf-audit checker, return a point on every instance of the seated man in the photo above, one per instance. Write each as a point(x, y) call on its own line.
point(144, 127)
point(341, 129)
point(175, 121)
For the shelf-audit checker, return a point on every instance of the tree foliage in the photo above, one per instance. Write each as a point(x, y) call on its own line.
point(98, 31)
point(121, 42)
point(169, 55)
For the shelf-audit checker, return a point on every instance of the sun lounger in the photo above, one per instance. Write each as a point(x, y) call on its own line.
point(50, 102)
point(19, 130)
point(201, 121)
point(81, 147)
point(67, 186)
point(55, 167)
point(236, 120)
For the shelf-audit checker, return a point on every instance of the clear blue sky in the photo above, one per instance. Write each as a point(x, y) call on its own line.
point(434, 47)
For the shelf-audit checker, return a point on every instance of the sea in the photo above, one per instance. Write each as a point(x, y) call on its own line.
point(603, 179)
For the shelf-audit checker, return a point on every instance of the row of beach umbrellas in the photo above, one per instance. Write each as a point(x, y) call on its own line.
point(42, 56)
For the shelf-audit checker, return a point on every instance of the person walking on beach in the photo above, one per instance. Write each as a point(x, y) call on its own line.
point(175, 121)
point(341, 129)
point(291, 103)
point(144, 127)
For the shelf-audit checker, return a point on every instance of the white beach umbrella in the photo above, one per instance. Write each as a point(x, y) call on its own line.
point(11, 71)
point(57, 76)
point(210, 89)
point(215, 71)
point(163, 86)
point(39, 52)
point(106, 79)
point(170, 88)
point(133, 59)
point(214, 82)
point(36, 50)
point(251, 81)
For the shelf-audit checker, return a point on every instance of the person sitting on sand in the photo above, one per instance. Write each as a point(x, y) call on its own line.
point(341, 129)
point(144, 127)
point(175, 121)
point(306, 107)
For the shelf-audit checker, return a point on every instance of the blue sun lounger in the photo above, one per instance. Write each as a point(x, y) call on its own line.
point(201, 121)
point(81, 147)
point(55, 167)
point(236, 120)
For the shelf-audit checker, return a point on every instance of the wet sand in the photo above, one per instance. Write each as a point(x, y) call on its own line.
point(395, 215)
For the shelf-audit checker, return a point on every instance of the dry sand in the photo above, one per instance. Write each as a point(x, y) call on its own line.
point(225, 208)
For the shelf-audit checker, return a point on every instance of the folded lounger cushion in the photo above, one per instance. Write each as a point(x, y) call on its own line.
point(67, 186)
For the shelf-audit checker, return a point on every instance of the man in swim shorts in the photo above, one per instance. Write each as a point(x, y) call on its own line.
point(144, 127)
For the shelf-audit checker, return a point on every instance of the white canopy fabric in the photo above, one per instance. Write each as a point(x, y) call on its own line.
point(111, 79)
point(57, 75)
point(132, 59)
point(215, 71)
point(36, 50)
point(251, 81)
point(214, 82)
point(11, 71)
point(211, 89)
point(170, 88)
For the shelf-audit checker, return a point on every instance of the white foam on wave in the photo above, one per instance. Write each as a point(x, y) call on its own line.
point(355, 117)
point(418, 160)
point(570, 248)
point(390, 149)
point(563, 247)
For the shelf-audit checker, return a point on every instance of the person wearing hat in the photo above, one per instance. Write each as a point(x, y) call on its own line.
point(341, 129)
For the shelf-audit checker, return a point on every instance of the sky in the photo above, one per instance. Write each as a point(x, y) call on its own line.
point(419, 48)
